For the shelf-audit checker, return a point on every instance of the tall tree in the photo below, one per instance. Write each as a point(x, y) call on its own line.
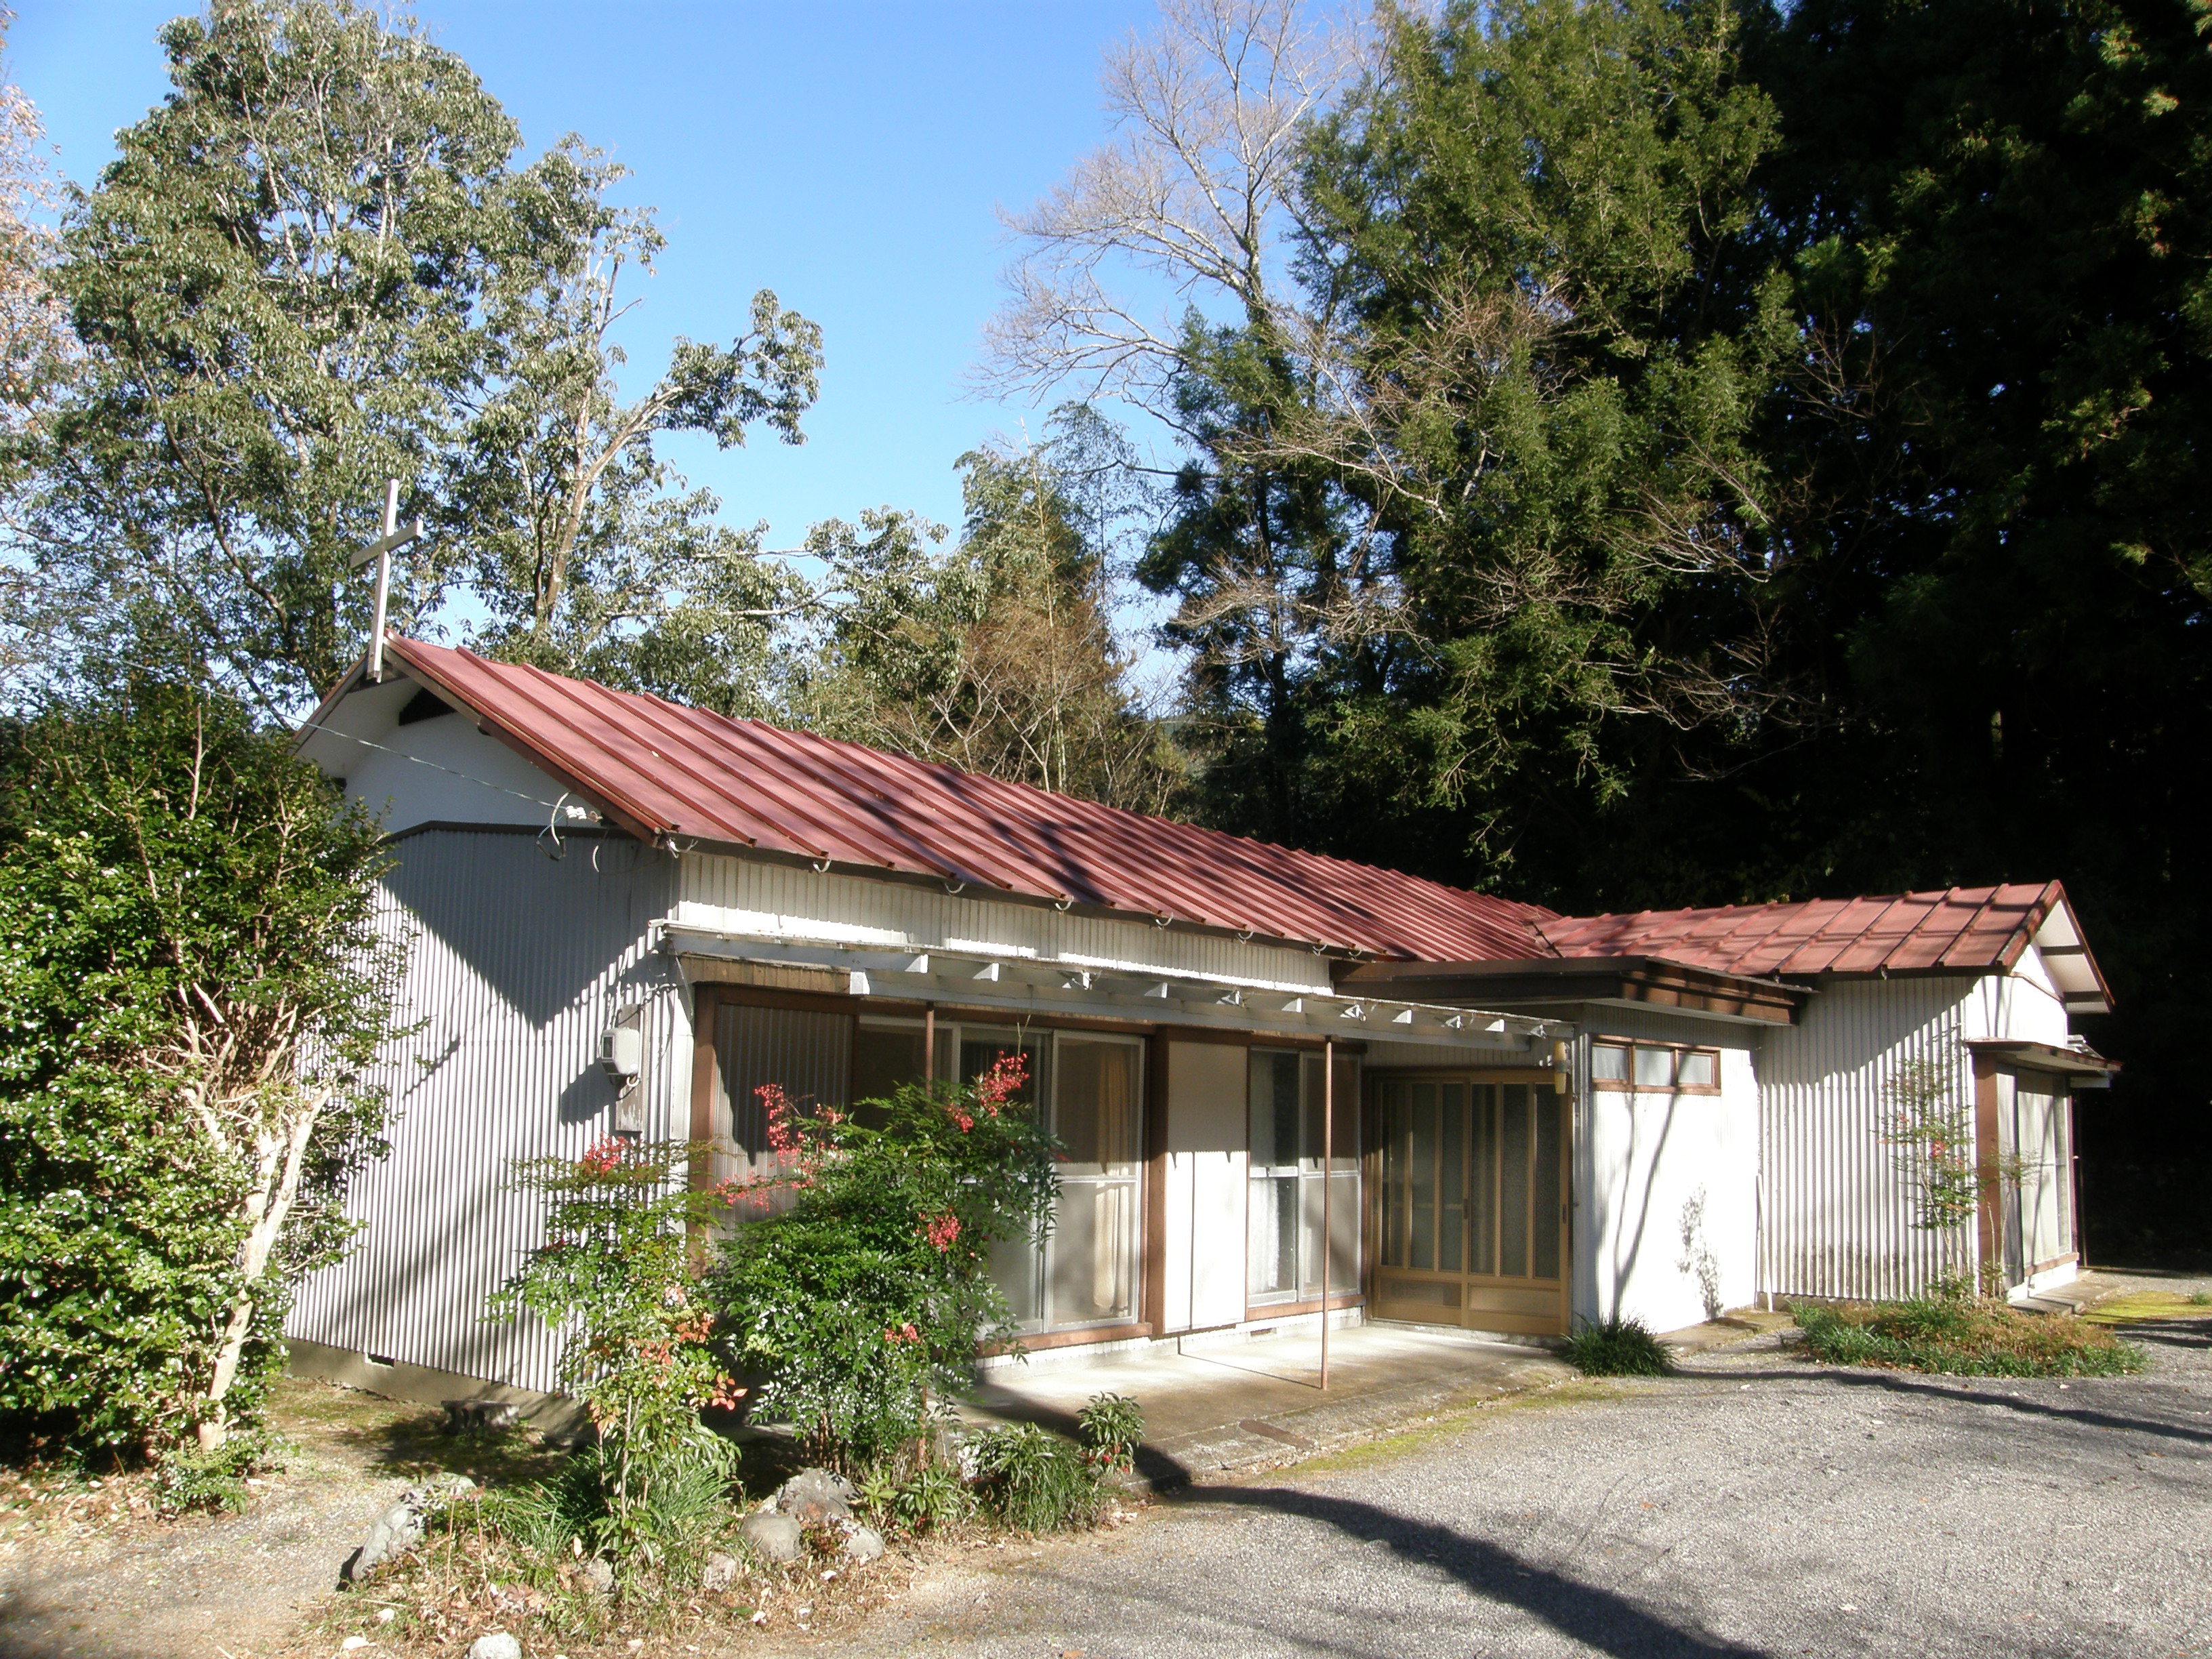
point(1999, 220)
point(35, 343)
point(1195, 193)
point(997, 655)
point(317, 264)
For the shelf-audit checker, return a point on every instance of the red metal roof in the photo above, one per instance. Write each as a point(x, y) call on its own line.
point(1958, 928)
point(665, 772)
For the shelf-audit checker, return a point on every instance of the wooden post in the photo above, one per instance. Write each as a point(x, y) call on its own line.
point(1328, 1187)
point(929, 1048)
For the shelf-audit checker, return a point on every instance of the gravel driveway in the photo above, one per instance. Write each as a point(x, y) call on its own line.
point(1756, 1506)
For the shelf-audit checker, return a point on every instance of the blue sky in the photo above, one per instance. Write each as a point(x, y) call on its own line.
point(848, 155)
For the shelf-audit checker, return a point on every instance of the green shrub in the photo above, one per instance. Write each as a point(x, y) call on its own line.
point(1033, 1482)
point(872, 1294)
point(674, 1515)
point(191, 986)
point(214, 1479)
point(618, 1274)
point(1616, 1347)
point(1965, 1339)
point(916, 1497)
point(1113, 1426)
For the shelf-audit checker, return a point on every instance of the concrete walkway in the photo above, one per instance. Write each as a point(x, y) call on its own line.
point(1214, 1404)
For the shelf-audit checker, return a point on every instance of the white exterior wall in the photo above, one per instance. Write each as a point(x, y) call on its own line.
point(517, 963)
point(1666, 1185)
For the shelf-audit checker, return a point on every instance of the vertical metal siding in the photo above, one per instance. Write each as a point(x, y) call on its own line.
point(1838, 1212)
point(516, 964)
point(746, 895)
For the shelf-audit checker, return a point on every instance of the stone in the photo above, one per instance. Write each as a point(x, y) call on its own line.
point(495, 1644)
point(772, 1537)
point(863, 1544)
point(719, 1573)
point(399, 1527)
point(816, 1497)
point(599, 1576)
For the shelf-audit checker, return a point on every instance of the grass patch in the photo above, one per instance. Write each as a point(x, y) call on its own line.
point(2148, 1305)
point(1964, 1338)
point(1616, 1347)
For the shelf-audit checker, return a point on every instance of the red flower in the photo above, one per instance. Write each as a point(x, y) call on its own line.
point(943, 1231)
point(905, 1333)
point(1008, 1076)
point(601, 1157)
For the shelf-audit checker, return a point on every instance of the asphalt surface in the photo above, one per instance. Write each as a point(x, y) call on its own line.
point(1757, 1505)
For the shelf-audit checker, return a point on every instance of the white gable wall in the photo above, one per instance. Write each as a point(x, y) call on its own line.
point(1665, 1218)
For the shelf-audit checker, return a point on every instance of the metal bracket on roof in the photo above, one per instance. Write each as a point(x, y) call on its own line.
point(1164, 919)
point(1295, 1005)
point(1231, 997)
point(989, 970)
point(1403, 1017)
point(821, 868)
point(954, 888)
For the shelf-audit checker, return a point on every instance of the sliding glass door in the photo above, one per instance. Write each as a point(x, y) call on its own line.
point(1283, 1250)
point(1471, 1213)
point(1093, 1087)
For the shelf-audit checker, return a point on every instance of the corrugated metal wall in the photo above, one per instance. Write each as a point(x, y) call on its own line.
point(519, 963)
point(1837, 1210)
point(744, 896)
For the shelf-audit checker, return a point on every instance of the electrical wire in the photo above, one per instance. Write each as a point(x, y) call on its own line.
point(467, 777)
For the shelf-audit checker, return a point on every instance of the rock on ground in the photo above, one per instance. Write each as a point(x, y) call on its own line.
point(772, 1537)
point(816, 1497)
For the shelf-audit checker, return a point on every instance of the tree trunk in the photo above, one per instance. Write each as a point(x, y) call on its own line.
point(266, 1208)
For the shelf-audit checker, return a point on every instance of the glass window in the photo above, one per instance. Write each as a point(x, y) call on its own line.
point(1609, 1062)
point(1086, 1271)
point(1654, 1067)
point(886, 1053)
point(1283, 1246)
point(1701, 1069)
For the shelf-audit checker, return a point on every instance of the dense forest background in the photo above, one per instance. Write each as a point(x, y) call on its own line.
point(1617, 455)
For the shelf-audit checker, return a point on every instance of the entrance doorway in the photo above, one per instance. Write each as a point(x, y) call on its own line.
point(1469, 1225)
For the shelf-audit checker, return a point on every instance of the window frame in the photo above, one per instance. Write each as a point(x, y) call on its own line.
point(1627, 1085)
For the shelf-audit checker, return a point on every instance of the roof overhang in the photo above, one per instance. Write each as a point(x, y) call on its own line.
point(1019, 984)
point(1527, 985)
point(2084, 1066)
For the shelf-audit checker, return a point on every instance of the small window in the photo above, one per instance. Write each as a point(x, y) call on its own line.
point(1655, 1068)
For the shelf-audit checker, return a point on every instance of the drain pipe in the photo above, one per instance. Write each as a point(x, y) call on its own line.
point(1328, 1187)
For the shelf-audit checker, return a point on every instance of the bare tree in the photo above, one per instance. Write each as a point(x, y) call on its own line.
point(1194, 188)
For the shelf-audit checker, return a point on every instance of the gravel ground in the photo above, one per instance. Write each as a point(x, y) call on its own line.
point(1756, 1505)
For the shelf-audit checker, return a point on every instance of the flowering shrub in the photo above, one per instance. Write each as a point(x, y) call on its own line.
point(619, 1275)
point(873, 1290)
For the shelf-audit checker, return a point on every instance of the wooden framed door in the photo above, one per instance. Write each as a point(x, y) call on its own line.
point(1468, 1224)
